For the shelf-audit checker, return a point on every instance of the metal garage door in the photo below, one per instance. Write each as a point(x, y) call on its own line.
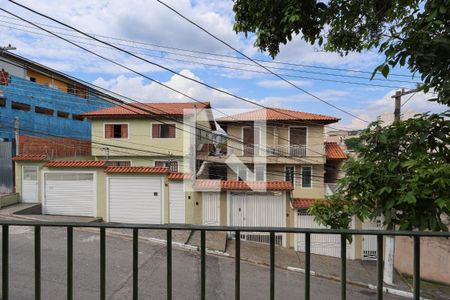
point(323, 244)
point(258, 209)
point(177, 202)
point(135, 199)
point(69, 194)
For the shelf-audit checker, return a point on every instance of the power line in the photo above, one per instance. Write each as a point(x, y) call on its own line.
point(247, 70)
point(127, 68)
point(257, 63)
point(140, 108)
point(224, 61)
point(217, 54)
point(181, 75)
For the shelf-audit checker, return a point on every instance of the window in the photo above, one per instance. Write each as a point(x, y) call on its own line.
point(297, 141)
point(77, 117)
point(306, 177)
point(119, 163)
point(32, 79)
point(163, 131)
point(116, 131)
point(290, 174)
point(63, 114)
point(171, 164)
point(2, 102)
point(43, 110)
point(242, 173)
point(20, 106)
point(260, 173)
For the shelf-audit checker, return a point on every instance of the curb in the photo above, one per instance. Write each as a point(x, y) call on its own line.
point(387, 290)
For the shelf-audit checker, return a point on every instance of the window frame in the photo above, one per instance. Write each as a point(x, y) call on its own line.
point(293, 174)
point(121, 160)
point(116, 123)
point(264, 168)
point(311, 177)
point(168, 161)
point(163, 138)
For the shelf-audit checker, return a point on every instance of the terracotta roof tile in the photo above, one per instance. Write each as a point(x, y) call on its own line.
point(278, 114)
point(75, 164)
point(30, 157)
point(302, 203)
point(179, 176)
point(137, 170)
point(334, 151)
point(146, 109)
point(235, 185)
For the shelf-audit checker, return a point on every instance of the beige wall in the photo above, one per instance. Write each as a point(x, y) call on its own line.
point(139, 138)
point(434, 258)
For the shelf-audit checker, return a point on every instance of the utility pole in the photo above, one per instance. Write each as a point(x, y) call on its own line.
point(388, 275)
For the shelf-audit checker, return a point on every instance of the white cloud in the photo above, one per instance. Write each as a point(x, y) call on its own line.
point(418, 103)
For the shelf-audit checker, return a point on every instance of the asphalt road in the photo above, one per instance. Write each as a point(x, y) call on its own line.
point(152, 272)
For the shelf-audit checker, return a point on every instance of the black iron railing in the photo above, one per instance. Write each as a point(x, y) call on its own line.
point(416, 235)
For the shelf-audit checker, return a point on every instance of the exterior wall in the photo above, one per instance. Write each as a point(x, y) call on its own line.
point(36, 124)
point(54, 146)
point(43, 79)
point(9, 199)
point(434, 262)
point(139, 138)
point(144, 161)
point(197, 207)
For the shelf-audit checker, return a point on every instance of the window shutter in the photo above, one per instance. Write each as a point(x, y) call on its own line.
point(124, 131)
point(172, 129)
point(156, 130)
point(109, 131)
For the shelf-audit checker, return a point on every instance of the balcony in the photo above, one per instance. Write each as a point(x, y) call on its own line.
point(272, 232)
point(280, 150)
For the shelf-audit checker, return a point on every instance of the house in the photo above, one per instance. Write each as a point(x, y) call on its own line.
point(41, 113)
point(142, 159)
point(276, 163)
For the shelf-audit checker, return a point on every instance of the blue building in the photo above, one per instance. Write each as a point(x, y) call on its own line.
point(37, 101)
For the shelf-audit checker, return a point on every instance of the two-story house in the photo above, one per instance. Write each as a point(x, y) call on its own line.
point(281, 157)
point(141, 156)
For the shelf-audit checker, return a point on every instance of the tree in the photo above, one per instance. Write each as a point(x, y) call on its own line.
point(409, 32)
point(352, 143)
point(402, 172)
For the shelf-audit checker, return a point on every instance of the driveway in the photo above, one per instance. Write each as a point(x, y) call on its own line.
point(152, 271)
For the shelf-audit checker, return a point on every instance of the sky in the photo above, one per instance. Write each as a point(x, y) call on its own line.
point(150, 30)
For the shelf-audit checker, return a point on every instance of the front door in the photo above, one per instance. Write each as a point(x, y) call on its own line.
point(29, 184)
point(211, 208)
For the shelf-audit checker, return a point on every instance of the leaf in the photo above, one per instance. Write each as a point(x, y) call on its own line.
point(385, 71)
point(410, 198)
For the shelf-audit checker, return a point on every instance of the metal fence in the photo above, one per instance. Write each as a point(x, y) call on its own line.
point(272, 231)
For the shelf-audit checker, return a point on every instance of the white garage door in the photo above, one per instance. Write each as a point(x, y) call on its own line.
point(177, 205)
point(135, 199)
point(258, 209)
point(69, 194)
point(323, 244)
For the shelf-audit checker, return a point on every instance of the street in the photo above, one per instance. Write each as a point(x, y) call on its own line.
point(152, 271)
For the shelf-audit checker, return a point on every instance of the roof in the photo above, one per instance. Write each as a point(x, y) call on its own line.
point(75, 164)
point(278, 114)
point(236, 185)
point(137, 170)
point(334, 151)
point(179, 176)
point(302, 203)
point(30, 157)
point(146, 109)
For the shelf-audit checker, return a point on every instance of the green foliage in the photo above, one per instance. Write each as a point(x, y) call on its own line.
point(402, 172)
point(410, 33)
point(353, 143)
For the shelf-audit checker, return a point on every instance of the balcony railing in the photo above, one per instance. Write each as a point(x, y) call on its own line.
point(271, 231)
point(280, 150)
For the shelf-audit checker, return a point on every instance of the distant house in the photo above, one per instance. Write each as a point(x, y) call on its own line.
point(41, 113)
